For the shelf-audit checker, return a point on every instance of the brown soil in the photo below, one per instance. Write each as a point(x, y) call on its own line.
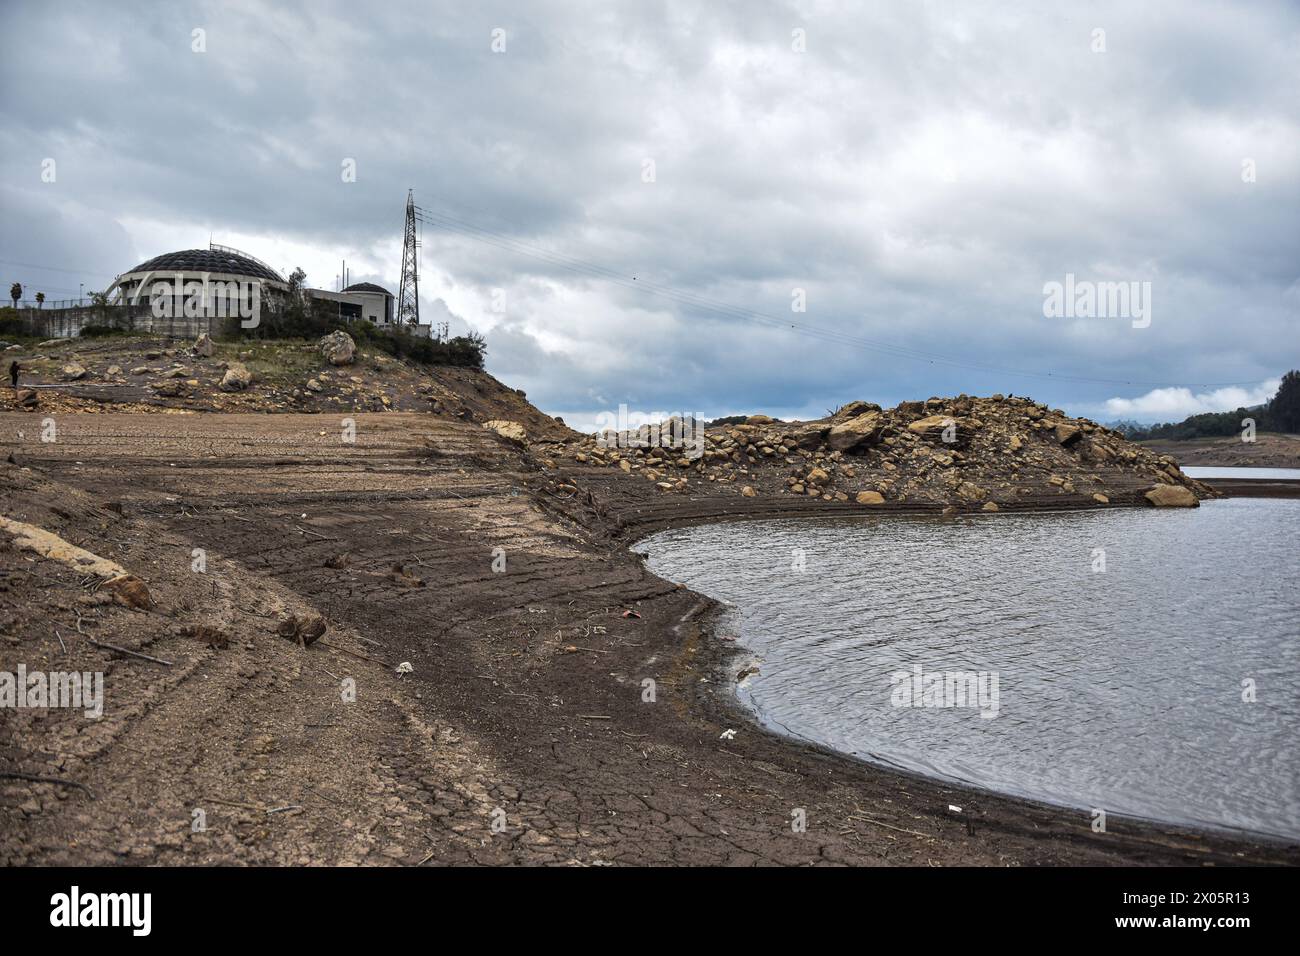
point(154, 375)
point(524, 700)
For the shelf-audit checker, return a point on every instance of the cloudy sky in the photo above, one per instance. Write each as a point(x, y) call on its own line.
point(634, 198)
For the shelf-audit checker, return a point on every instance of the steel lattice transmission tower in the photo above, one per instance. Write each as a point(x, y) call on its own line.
point(408, 295)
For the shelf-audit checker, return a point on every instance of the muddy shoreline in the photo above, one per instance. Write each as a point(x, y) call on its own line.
point(522, 734)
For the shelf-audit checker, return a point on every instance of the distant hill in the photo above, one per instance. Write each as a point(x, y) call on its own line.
point(1281, 413)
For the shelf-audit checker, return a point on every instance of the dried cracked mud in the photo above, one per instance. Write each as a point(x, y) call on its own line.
point(520, 734)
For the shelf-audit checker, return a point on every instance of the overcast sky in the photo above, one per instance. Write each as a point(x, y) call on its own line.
point(919, 171)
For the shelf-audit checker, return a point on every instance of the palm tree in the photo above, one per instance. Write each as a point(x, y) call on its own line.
point(16, 293)
point(40, 299)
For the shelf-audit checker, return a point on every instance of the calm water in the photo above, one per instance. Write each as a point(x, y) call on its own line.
point(1204, 472)
point(1120, 689)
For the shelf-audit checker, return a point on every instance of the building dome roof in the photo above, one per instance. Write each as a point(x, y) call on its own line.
point(210, 260)
point(366, 287)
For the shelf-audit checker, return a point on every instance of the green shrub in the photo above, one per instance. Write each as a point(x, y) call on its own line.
point(94, 331)
point(306, 319)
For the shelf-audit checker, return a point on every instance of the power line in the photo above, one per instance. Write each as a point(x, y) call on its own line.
point(75, 272)
point(454, 224)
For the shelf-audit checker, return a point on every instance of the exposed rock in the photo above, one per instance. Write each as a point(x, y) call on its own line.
point(1068, 434)
point(869, 498)
point(203, 346)
point(990, 506)
point(207, 633)
point(73, 371)
point(933, 427)
point(237, 378)
point(306, 630)
point(27, 398)
point(338, 348)
point(1100, 499)
point(859, 430)
point(1172, 496)
point(313, 385)
point(748, 492)
point(510, 431)
point(853, 410)
point(128, 590)
point(809, 436)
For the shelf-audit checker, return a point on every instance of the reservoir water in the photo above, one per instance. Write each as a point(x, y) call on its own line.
point(1142, 662)
point(1206, 472)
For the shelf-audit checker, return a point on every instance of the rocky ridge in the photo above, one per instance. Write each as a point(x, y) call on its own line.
point(966, 452)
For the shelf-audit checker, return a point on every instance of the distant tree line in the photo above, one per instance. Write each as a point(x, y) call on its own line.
point(1280, 414)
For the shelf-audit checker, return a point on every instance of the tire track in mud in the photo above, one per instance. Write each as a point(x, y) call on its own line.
point(526, 706)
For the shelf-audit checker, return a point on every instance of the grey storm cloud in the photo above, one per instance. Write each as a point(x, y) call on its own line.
point(920, 171)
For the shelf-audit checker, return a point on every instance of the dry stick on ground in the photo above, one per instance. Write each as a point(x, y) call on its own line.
point(233, 803)
point(123, 650)
point(364, 657)
point(889, 826)
point(37, 778)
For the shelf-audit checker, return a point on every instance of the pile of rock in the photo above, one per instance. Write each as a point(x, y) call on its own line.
point(967, 452)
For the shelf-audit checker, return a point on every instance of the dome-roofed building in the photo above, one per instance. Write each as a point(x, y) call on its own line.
point(225, 274)
point(367, 287)
point(361, 300)
point(217, 260)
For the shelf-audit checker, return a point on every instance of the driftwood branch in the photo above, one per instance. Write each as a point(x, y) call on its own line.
point(123, 650)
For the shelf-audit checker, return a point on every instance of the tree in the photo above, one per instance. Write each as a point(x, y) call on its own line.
point(16, 293)
point(1284, 408)
point(40, 299)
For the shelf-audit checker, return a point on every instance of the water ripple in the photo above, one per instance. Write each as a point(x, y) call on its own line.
point(1120, 690)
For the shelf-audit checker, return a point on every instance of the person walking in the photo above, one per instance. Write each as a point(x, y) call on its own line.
point(14, 369)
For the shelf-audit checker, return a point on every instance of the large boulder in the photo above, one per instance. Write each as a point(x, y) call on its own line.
point(1068, 434)
point(237, 378)
point(510, 431)
point(853, 410)
point(338, 348)
point(1172, 496)
point(869, 498)
point(809, 437)
point(935, 428)
point(203, 346)
point(73, 371)
point(27, 398)
point(860, 430)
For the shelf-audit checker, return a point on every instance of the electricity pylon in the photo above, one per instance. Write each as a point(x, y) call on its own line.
point(408, 295)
